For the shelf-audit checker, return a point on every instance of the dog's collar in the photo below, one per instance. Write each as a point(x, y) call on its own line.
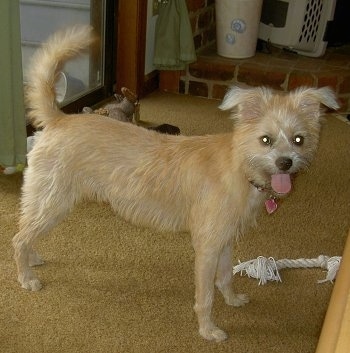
point(270, 202)
point(260, 188)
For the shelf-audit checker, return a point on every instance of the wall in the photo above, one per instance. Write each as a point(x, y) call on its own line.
point(202, 18)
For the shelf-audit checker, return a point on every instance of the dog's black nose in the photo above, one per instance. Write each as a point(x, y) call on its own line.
point(284, 163)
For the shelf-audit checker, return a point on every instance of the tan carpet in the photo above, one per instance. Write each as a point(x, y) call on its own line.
point(112, 287)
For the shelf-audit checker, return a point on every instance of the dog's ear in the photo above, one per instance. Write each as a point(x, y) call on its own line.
point(311, 98)
point(246, 102)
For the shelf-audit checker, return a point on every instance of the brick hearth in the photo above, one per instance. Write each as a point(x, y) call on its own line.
point(211, 75)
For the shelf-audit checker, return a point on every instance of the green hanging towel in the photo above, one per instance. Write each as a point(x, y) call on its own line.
point(174, 47)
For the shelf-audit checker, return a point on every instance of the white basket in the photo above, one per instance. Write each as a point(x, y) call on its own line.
point(299, 25)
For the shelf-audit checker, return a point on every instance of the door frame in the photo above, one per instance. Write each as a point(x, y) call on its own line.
point(125, 39)
point(106, 90)
point(131, 25)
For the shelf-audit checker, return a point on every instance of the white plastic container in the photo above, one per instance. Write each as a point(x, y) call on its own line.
point(299, 25)
point(237, 27)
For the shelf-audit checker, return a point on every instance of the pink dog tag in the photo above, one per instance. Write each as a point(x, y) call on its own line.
point(271, 205)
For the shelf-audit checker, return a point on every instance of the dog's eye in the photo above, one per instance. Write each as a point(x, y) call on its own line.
point(298, 140)
point(266, 140)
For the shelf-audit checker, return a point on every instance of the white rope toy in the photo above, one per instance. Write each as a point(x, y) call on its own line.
point(266, 269)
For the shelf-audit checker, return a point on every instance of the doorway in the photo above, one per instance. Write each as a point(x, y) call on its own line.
point(89, 78)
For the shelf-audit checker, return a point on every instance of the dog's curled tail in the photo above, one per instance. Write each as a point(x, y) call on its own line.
point(43, 73)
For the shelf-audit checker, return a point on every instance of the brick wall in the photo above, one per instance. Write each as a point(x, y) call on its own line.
point(211, 75)
point(202, 17)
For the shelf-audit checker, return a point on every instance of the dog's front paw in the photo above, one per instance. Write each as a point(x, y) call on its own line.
point(237, 300)
point(213, 333)
point(32, 284)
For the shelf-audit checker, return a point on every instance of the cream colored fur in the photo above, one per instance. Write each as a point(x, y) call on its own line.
point(200, 184)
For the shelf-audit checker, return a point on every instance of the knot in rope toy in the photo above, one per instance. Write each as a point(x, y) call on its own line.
point(266, 269)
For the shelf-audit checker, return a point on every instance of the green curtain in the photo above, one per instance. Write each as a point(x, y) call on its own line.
point(12, 119)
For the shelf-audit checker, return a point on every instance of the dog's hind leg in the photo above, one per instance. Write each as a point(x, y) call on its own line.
point(224, 278)
point(41, 211)
point(22, 243)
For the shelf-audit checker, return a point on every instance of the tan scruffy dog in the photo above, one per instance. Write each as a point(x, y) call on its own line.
point(211, 186)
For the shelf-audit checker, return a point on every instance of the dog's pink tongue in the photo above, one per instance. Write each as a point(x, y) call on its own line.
point(281, 183)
